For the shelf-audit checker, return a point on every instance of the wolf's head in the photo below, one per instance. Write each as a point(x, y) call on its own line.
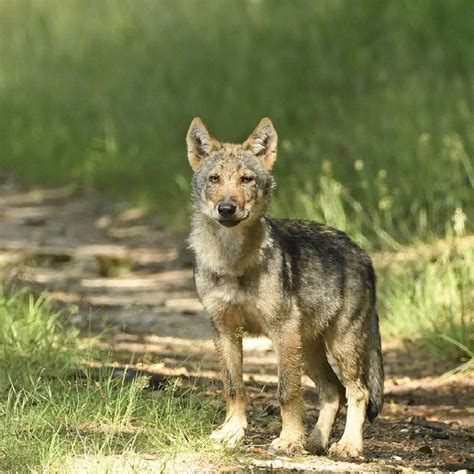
point(232, 183)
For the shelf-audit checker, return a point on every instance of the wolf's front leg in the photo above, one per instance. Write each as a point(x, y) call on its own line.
point(229, 351)
point(287, 342)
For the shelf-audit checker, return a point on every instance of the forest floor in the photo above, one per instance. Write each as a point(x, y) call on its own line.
point(130, 280)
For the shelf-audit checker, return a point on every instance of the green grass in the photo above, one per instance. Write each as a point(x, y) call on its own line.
point(101, 94)
point(431, 304)
point(52, 409)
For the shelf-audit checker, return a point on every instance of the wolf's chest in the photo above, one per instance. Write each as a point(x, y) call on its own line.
point(221, 292)
point(236, 302)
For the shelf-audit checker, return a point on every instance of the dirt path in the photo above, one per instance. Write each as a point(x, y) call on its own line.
point(122, 271)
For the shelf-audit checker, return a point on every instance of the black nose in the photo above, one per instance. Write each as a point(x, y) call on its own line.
point(226, 209)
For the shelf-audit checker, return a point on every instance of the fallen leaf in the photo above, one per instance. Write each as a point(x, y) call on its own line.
point(452, 458)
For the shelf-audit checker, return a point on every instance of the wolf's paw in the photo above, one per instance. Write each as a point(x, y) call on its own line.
point(315, 444)
point(343, 449)
point(229, 435)
point(287, 445)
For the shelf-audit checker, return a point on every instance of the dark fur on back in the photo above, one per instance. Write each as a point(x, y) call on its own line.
point(325, 267)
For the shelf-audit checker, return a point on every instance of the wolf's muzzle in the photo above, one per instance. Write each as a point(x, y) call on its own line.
point(226, 209)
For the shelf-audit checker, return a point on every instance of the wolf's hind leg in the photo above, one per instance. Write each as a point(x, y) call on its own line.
point(229, 351)
point(351, 444)
point(331, 392)
point(347, 343)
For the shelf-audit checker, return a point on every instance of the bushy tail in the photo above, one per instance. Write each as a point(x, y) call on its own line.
point(374, 370)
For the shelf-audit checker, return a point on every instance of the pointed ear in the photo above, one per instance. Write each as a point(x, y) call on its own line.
point(200, 143)
point(263, 143)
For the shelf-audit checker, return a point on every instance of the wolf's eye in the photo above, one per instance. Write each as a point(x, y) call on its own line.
point(214, 178)
point(246, 179)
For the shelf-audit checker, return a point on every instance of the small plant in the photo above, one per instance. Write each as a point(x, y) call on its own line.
point(34, 342)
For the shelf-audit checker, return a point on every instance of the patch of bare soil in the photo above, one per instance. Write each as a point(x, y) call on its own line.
point(123, 272)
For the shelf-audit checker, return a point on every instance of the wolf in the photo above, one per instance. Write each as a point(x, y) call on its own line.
point(306, 286)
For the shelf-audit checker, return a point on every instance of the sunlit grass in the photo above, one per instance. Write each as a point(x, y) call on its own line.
point(52, 407)
point(431, 303)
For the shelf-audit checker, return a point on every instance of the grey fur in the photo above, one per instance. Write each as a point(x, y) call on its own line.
point(306, 286)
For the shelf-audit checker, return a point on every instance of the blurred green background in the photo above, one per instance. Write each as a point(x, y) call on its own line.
point(373, 101)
